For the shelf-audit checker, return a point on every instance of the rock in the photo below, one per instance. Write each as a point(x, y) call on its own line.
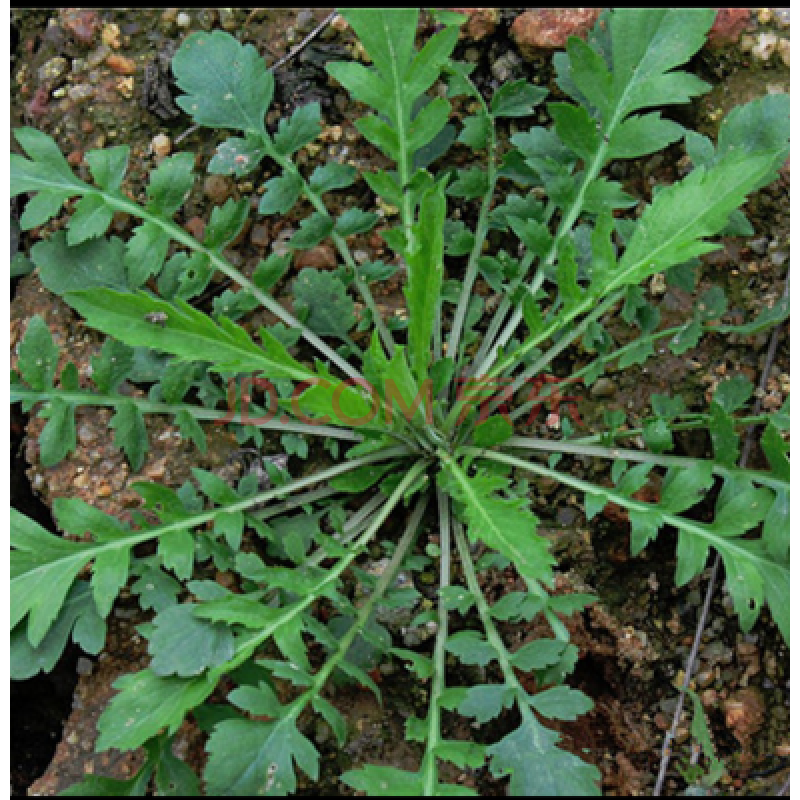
point(549, 29)
point(218, 188)
point(38, 104)
point(227, 19)
point(52, 70)
point(110, 35)
point(81, 24)
point(122, 65)
point(482, 21)
point(765, 46)
point(503, 68)
point(728, 26)
point(323, 256)
point(305, 20)
point(259, 236)
point(603, 387)
point(196, 226)
point(80, 93)
point(183, 20)
point(161, 146)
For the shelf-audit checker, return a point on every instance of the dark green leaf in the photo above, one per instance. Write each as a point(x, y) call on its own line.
point(96, 263)
point(90, 219)
point(237, 156)
point(226, 223)
point(355, 221)
point(227, 84)
point(331, 309)
point(57, 439)
point(131, 433)
point(312, 231)
point(300, 129)
point(281, 193)
point(184, 645)
point(247, 757)
point(516, 99)
point(332, 176)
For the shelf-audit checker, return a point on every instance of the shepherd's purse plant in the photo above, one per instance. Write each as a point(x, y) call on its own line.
point(425, 411)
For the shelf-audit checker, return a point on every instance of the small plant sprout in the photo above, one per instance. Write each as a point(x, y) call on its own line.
point(418, 428)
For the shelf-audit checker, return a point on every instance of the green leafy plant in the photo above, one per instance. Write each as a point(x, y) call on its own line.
point(393, 413)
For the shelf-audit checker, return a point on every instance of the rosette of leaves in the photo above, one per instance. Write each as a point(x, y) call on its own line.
point(387, 413)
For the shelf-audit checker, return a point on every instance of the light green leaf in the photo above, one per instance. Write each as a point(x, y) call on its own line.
point(186, 333)
point(359, 480)
point(491, 432)
point(43, 569)
point(128, 721)
point(425, 274)
point(45, 169)
point(470, 183)
point(112, 365)
point(505, 524)
point(674, 227)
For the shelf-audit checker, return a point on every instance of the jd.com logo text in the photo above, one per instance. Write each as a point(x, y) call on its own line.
point(489, 395)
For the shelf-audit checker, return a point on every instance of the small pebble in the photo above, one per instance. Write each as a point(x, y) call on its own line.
point(52, 70)
point(218, 188)
point(227, 19)
point(84, 666)
point(161, 146)
point(603, 387)
point(122, 65)
point(766, 44)
point(110, 35)
point(323, 256)
point(196, 226)
point(304, 21)
point(259, 236)
point(183, 20)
